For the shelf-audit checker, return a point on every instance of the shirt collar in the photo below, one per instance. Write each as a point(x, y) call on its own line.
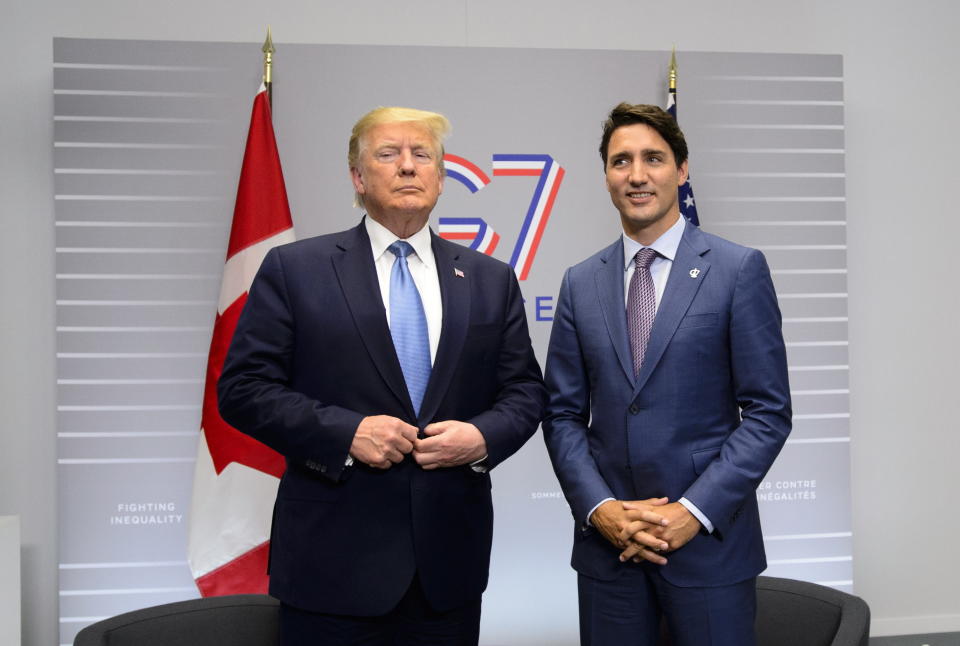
point(666, 245)
point(381, 238)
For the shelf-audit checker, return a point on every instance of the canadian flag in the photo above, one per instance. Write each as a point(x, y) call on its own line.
point(236, 477)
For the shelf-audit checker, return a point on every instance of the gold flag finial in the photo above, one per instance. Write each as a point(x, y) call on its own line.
point(268, 51)
point(673, 69)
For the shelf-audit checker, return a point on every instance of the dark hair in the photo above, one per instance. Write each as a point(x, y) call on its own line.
point(660, 120)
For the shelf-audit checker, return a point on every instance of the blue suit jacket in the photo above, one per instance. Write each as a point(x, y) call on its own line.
point(704, 419)
point(311, 357)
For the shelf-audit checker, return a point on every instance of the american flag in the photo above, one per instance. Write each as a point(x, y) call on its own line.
point(688, 206)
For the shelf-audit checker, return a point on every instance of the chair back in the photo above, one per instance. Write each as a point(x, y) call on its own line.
point(236, 620)
point(798, 613)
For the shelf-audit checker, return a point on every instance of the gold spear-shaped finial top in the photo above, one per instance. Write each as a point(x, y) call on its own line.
point(673, 69)
point(268, 51)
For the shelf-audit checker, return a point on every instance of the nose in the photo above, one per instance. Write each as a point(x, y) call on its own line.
point(638, 174)
point(407, 167)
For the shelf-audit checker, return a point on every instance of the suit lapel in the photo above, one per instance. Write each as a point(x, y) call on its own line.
point(686, 275)
point(357, 276)
point(609, 278)
point(455, 295)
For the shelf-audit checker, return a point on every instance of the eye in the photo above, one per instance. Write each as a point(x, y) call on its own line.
point(618, 162)
point(386, 155)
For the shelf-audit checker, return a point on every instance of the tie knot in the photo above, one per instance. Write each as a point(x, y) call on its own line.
point(645, 258)
point(400, 249)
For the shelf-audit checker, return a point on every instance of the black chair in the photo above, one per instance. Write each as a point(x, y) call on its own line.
point(237, 620)
point(789, 613)
point(797, 613)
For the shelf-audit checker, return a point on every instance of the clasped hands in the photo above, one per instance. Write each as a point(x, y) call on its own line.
point(645, 529)
point(382, 441)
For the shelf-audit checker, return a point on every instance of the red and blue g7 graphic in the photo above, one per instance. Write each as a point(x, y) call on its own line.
point(481, 235)
point(465, 172)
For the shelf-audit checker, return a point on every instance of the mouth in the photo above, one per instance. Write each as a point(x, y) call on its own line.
point(408, 188)
point(640, 197)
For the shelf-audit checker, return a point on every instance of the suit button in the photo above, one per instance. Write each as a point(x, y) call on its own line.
point(634, 410)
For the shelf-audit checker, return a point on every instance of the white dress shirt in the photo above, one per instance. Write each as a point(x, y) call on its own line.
point(423, 268)
point(666, 247)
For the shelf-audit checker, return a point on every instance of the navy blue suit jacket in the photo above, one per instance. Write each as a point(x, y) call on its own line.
point(704, 419)
point(311, 357)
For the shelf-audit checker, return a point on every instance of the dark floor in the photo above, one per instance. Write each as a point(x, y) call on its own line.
point(938, 639)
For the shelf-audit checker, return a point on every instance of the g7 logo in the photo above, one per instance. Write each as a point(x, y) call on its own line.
point(481, 235)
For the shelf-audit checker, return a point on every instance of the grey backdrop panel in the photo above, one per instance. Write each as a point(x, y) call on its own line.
point(148, 144)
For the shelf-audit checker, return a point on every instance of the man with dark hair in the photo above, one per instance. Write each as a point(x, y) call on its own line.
point(626, 114)
point(669, 401)
point(393, 370)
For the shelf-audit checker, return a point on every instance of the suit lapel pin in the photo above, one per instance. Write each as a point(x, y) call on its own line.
point(458, 272)
point(694, 272)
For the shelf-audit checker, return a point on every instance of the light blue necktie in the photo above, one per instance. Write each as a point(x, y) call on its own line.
point(408, 325)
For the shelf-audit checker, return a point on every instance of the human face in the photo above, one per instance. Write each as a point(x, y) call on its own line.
point(643, 178)
point(398, 173)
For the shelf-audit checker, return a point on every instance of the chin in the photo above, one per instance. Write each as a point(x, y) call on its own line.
point(642, 220)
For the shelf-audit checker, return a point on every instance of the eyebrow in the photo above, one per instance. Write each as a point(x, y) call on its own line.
point(644, 153)
point(397, 145)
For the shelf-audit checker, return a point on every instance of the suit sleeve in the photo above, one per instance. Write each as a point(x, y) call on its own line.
point(518, 406)
point(758, 362)
point(254, 393)
point(568, 412)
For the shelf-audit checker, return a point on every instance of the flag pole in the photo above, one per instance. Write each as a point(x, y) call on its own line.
point(673, 73)
point(236, 477)
point(685, 193)
point(268, 51)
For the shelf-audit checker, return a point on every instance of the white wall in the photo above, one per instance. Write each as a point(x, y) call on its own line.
point(10, 581)
point(899, 70)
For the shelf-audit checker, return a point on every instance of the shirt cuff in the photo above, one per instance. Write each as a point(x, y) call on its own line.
point(590, 513)
point(699, 515)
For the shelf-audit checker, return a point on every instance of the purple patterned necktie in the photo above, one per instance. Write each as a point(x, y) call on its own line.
point(641, 306)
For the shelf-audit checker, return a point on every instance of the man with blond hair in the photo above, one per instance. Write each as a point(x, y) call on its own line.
point(393, 370)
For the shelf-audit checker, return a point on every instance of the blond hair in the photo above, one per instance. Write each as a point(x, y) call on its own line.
point(435, 123)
